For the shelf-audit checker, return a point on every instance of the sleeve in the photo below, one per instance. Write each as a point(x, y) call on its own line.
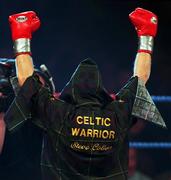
point(36, 103)
point(14, 84)
point(140, 102)
point(126, 97)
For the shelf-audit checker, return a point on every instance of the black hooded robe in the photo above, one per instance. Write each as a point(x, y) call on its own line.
point(86, 130)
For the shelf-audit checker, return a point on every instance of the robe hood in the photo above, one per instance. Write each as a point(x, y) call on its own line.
point(85, 85)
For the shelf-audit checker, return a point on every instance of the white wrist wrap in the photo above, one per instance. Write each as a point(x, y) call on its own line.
point(22, 45)
point(146, 43)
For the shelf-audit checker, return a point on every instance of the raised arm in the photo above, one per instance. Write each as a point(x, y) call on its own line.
point(142, 66)
point(22, 26)
point(145, 23)
point(24, 67)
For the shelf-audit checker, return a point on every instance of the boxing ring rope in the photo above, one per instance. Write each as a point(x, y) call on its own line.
point(161, 98)
point(153, 145)
point(150, 145)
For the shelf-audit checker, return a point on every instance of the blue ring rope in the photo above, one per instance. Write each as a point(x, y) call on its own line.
point(150, 145)
point(161, 98)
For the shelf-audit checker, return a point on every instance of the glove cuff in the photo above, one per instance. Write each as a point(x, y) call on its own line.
point(22, 46)
point(146, 44)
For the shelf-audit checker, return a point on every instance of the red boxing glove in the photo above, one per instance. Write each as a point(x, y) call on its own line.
point(23, 24)
point(145, 22)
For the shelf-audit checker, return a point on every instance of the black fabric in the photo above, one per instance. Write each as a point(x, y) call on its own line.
point(86, 130)
point(5, 102)
point(7, 94)
point(127, 96)
point(85, 85)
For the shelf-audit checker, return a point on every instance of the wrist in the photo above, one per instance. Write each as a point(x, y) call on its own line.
point(146, 44)
point(22, 46)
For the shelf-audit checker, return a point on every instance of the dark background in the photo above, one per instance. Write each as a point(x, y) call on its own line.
point(72, 30)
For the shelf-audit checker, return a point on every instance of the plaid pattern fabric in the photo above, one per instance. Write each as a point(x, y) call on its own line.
point(145, 108)
point(142, 105)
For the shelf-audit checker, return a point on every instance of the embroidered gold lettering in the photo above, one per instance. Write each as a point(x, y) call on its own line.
point(93, 133)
